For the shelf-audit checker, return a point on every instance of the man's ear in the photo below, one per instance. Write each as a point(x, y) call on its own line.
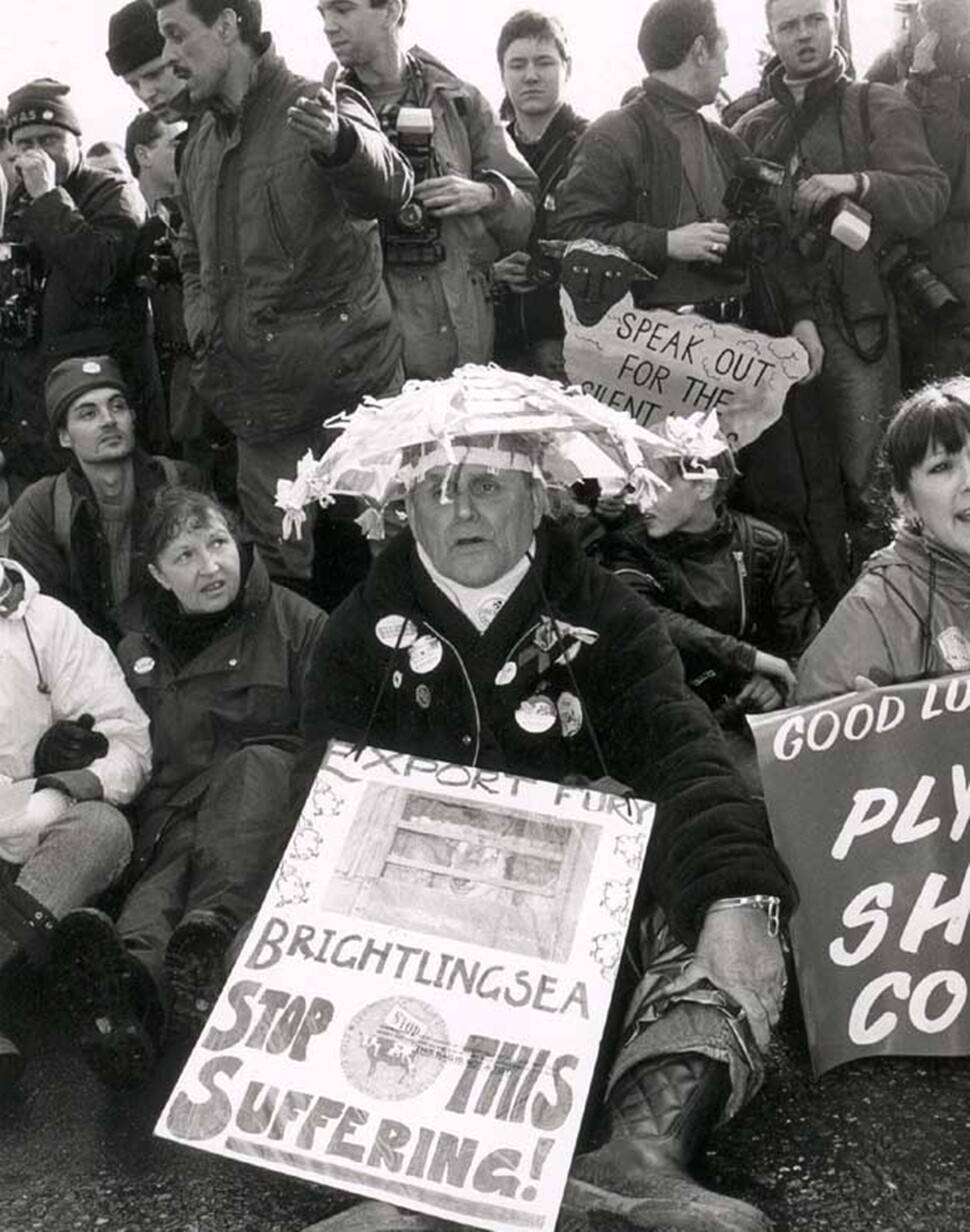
point(142, 153)
point(227, 25)
point(706, 488)
point(699, 51)
point(63, 438)
point(159, 577)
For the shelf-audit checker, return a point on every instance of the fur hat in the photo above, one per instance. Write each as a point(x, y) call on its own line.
point(133, 37)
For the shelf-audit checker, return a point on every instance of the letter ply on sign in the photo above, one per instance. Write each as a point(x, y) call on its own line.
point(869, 801)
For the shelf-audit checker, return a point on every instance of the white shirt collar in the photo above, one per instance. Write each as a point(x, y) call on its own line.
point(481, 604)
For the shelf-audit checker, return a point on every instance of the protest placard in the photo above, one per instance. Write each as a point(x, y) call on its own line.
point(416, 1014)
point(869, 800)
point(655, 363)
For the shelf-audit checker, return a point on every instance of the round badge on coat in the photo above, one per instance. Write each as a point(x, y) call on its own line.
point(570, 714)
point(142, 667)
point(425, 655)
point(422, 695)
point(397, 680)
point(536, 715)
point(394, 631)
point(506, 674)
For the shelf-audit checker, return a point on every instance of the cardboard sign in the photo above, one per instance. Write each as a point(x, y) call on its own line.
point(416, 1014)
point(869, 801)
point(656, 363)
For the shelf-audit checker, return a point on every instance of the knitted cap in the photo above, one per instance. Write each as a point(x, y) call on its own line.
point(74, 377)
point(133, 37)
point(43, 101)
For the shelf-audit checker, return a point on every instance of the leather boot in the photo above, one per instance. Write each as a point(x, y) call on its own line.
point(195, 963)
point(26, 927)
point(111, 998)
point(657, 1115)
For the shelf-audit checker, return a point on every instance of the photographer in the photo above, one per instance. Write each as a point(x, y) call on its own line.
point(860, 167)
point(934, 64)
point(472, 197)
point(535, 66)
point(72, 232)
point(651, 177)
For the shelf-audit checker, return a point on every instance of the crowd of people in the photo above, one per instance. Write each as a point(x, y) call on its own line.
point(184, 317)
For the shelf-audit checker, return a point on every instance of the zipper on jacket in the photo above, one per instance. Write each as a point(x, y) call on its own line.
point(468, 683)
point(742, 569)
point(277, 227)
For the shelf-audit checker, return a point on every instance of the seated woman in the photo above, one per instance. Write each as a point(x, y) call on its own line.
point(908, 615)
point(217, 656)
point(728, 587)
point(73, 747)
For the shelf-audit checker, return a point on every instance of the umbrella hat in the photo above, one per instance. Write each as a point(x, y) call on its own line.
point(484, 415)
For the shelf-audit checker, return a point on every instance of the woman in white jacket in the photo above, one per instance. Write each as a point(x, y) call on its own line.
point(74, 746)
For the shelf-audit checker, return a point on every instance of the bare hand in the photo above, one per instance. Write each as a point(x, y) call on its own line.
point(807, 334)
point(760, 695)
point(699, 241)
point(737, 955)
point(512, 271)
point(814, 192)
point(448, 195)
point(924, 53)
point(316, 119)
point(38, 172)
point(777, 670)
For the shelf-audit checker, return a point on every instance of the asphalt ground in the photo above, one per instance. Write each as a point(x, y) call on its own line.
point(876, 1146)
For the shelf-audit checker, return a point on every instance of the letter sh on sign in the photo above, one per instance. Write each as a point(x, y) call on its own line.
point(869, 801)
point(417, 1012)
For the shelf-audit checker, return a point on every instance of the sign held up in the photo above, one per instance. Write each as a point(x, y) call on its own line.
point(869, 800)
point(417, 1012)
point(653, 363)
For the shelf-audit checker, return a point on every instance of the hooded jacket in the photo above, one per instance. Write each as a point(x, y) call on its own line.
point(52, 667)
point(906, 618)
point(246, 686)
point(504, 700)
point(286, 311)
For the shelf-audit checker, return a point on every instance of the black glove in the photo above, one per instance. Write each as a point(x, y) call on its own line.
point(69, 745)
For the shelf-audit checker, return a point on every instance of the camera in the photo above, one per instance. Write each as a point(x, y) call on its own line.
point(21, 293)
point(751, 215)
point(928, 297)
point(163, 266)
point(838, 219)
point(412, 236)
point(545, 263)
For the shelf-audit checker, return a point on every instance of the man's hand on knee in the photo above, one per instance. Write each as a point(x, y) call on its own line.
point(737, 954)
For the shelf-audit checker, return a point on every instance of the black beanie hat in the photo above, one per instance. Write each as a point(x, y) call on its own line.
point(43, 101)
point(133, 37)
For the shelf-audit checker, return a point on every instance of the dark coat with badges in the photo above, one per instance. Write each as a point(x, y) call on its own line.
point(399, 666)
point(246, 686)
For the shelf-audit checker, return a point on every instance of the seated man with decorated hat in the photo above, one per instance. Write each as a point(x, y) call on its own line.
point(484, 635)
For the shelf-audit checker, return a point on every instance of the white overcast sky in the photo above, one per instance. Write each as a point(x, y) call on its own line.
point(67, 39)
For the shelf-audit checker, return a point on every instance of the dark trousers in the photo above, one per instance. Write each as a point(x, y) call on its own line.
point(221, 856)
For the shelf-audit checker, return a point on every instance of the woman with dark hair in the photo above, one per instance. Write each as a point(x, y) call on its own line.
point(908, 615)
point(216, 655)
